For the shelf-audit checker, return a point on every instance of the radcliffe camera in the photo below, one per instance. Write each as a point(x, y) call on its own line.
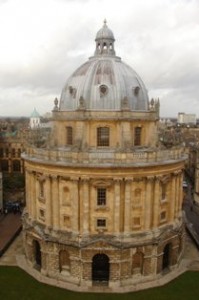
point(101, 195)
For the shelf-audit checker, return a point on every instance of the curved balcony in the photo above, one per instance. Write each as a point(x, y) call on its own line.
point(105, 157)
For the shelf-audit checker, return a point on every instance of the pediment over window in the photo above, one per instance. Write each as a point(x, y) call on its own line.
point(102, 183)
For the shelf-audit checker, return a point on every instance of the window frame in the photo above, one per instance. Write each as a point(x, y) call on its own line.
point(103, 223)
point(137, 136)
point(103, 136)
point(101, 196)
point(69, 135)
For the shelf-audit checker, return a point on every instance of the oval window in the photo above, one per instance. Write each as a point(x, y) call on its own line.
point(136, 90)
point(103, 89)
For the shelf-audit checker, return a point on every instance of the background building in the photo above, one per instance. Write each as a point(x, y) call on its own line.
point(187, 119)
point(1, 193)
point(104, 198)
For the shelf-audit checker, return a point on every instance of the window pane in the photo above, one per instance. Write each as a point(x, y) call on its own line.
point(101, 223)
point(137, 136)
point(101, 197)
point(103, 136)
point(69, 135)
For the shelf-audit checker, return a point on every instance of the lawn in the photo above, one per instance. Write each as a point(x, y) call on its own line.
point(15, 284)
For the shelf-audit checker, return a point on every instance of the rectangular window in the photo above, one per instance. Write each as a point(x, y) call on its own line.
point(101, 222)
point(163, 216)
point(101, 196)
point(67, 222)
point(136, 222)
point(137, 136)
point(103, 136)
point(69, 135)
point(42, 214)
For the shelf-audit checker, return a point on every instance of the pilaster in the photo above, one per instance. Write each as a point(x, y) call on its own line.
point(127, 205)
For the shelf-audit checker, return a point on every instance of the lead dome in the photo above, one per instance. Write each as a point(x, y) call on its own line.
point(104, 82)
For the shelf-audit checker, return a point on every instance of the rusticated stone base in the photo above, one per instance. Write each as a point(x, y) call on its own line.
point(101, 263)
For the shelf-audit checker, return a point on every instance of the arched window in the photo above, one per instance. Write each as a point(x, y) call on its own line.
point(164, 190)
point(37, 253)
point(69, 135)
point(64, 261)
point(66, 196)
point(166, 257)
point(103, 136)
point(105, 46)
point(137, 263)
point(137, 136)
point(137, 196)
point(41, 188)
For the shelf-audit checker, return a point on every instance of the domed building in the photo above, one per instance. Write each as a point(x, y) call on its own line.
point(103, 199)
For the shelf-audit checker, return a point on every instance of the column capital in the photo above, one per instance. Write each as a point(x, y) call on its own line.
point(176, 173)
point(158, 178)
point(117, 180)
point(138, 179)
point(54, 177)
point(74, 178)
point(85, 179)
point(129, 179)
point(150, 178)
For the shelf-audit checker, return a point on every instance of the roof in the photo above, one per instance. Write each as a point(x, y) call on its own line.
point(35, 114)
point(104, 82)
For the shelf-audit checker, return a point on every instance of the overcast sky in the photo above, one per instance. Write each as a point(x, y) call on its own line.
point(43, 41)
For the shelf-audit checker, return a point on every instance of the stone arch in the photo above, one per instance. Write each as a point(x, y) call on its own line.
point(100, 268)
point(137, 262)
point(37, 254)
point(166, 258)
point(64, 261)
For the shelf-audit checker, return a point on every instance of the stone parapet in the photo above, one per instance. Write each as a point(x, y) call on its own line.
point(68, 156)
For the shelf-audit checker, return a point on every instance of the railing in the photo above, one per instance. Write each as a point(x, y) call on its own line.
point(102, 156)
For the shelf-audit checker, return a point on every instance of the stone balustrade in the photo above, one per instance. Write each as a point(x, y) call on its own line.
point(105, 156)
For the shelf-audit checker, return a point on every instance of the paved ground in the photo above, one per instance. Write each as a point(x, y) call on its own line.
point(10, 225)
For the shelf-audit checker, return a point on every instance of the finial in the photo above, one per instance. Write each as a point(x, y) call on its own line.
point(105, 22)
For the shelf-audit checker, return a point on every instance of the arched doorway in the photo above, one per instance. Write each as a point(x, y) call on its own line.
point(37, 250)
point(166, 257)
point(100, 268)
point(64, 261)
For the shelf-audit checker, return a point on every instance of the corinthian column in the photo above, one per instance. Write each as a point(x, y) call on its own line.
point(55, 202)
point(28, 191)
point(85, 206)
point(180, 192)
point(33, 198)
point(127, 205)
point(177, 196)
point(148, 202)
point(48, 202)
point(117, 184)
point(75, 205)
point(173, 198)
point(156, 202)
